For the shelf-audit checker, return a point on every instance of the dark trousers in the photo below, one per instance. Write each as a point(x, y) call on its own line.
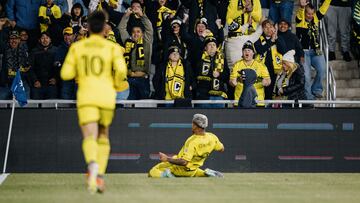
point(284, 9)
point(139, 88)
point(68, 90)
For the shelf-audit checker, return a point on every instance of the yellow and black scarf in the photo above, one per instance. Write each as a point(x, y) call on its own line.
point(219, 60)
point(112, 3)
point(163, 13)
point(275, 55)
point(201, 7)
point(206, 74)
point(219, 65)
point(175, 81)
point(314, 36)
point(130, 45)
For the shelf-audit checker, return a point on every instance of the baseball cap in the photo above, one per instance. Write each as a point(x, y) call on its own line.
point(14, 34)
point(68, 30)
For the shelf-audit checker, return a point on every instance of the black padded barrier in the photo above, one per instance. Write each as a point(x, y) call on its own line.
point(256, 140)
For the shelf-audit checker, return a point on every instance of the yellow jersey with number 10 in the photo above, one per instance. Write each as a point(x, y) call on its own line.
point(99, 66)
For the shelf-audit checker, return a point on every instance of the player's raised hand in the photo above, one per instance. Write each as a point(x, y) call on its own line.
point(163, 157)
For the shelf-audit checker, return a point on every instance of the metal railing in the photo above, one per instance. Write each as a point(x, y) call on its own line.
point(324, 44)
point(330, 78)
point(149, 103)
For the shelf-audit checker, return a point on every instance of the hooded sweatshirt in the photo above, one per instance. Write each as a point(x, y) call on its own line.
point(248, 95)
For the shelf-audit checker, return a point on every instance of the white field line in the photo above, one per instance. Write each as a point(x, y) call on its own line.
point(3, 177)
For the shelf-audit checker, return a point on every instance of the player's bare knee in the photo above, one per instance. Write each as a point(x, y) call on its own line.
point(103, 131)
point(90, 129)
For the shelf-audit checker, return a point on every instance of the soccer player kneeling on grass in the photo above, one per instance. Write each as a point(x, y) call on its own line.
point(192, 155)
point(99, 66)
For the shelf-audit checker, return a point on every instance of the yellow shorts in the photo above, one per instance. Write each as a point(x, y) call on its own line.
point(89, 114)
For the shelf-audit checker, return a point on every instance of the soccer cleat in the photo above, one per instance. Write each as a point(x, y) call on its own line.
point(100, 184)
point(93, 169)
point(212, 173)
point(167, 174)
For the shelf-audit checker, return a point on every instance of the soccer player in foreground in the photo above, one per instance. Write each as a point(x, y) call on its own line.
point(99, 66)
point(192, 155)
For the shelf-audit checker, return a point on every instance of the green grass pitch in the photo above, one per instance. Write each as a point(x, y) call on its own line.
point(235, 187)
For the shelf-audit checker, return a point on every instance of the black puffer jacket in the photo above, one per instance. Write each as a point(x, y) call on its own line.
point(292, 42)
point(42, 65)
point(170, 39)
point(296, 88)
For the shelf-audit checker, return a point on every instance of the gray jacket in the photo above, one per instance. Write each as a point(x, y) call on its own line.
point(147, 40)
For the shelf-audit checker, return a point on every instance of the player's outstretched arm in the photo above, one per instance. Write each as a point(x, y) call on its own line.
point(165, 158)
point(119, 66)
point(222, 149)
point(68, 70)
point(219, 147)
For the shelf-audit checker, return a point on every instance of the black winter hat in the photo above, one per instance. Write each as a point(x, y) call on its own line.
point(209, 39)
point(248, 45)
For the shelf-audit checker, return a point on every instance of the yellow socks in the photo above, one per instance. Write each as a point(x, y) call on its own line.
point(97, 151)
point(103, 154)
point(90, 149)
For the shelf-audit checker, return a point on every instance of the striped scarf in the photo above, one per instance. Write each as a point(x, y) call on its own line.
point(219, 60)
point(175, 81)
point(130, 45)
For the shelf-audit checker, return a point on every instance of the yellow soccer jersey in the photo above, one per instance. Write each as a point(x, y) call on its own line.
point(236, 13)
point(197, 148)
point(100, 68)
point(261, 72)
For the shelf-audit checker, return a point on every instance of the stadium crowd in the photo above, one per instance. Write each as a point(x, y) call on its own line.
point(181, 49)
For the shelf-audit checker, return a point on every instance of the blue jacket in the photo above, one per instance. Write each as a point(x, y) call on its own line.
point(24, 12)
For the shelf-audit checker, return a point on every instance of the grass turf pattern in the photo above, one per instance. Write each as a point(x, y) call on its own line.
point(235, 187)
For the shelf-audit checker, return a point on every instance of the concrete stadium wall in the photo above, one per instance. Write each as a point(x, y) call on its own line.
point(256, 140)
